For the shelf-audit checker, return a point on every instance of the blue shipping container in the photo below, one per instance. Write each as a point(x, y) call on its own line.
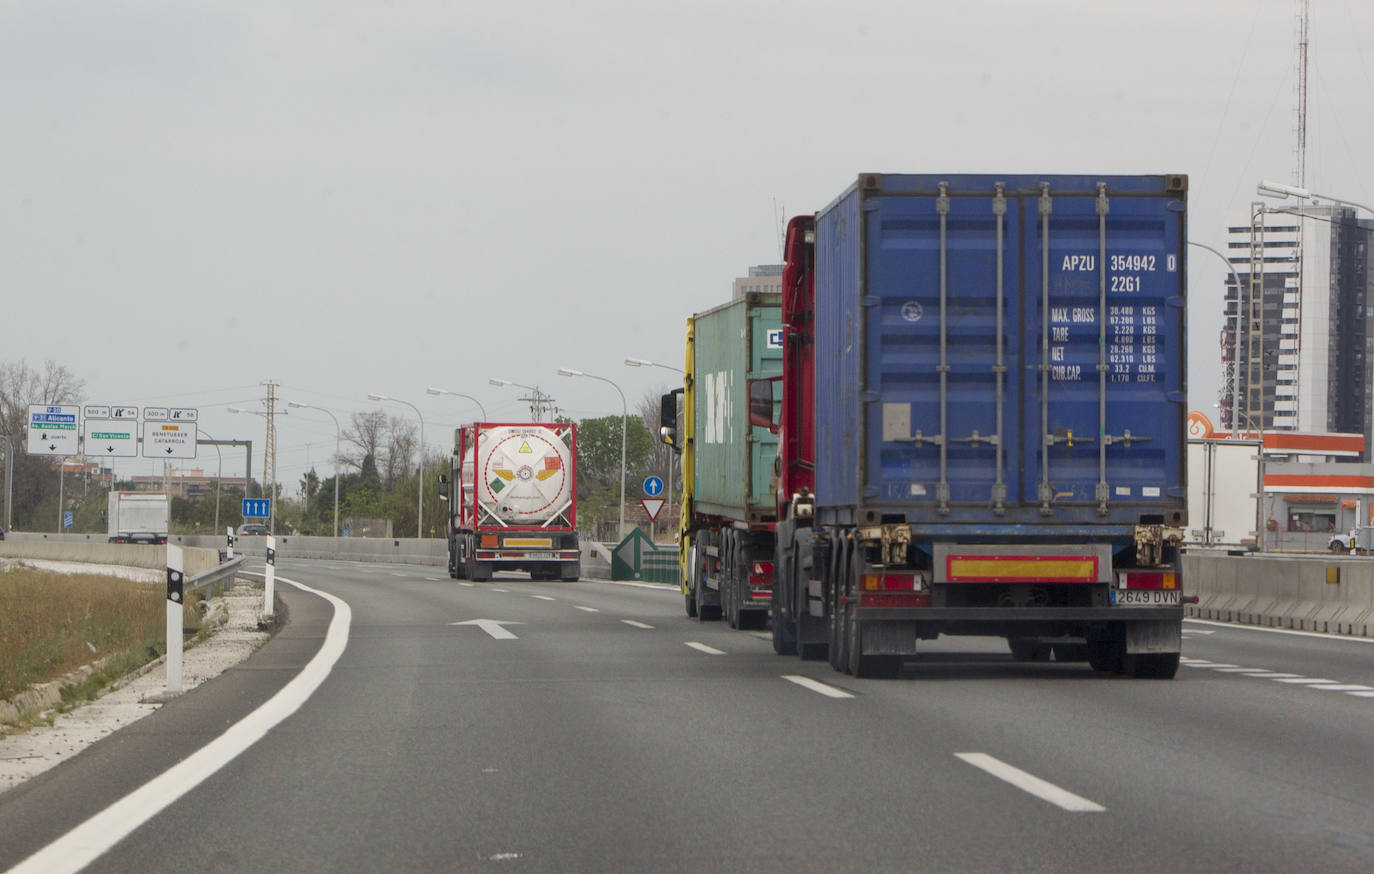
point(1002, 350)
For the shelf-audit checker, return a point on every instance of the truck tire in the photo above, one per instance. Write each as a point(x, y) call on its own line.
point(1152, 666)
point(1106, 655)
point(1026, 649)
point(876, 667)
point(784, 635)
point(1070, 652)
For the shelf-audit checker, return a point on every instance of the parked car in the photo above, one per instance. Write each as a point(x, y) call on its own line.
point(252, 529)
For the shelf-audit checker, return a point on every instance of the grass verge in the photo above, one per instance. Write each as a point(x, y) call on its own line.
point(53, 624)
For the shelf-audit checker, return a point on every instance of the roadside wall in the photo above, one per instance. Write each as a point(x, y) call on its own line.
point(93, 547)
point(1283, 591)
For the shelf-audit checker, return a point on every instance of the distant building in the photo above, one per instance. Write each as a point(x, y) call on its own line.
point(762, 277)
point(1304, 356)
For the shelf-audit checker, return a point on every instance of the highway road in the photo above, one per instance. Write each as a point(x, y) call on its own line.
point(599, 729)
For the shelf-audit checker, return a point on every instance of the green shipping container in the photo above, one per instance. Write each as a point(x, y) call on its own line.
point(733, 344)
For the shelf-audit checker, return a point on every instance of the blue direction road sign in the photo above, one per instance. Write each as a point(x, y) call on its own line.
point(653, 486)
point(67, 519)
point(257, 508)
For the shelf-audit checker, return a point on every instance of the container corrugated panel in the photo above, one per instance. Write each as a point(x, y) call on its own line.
point(733, 344)
point(920, 417)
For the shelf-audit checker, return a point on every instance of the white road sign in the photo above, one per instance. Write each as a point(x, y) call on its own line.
point(156, 414)
point(123, 412)
point(96, 413)
point(111, 438)
point(169, 439)
point(184, 414)
point(53, 429)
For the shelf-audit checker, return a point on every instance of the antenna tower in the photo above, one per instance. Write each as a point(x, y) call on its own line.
point(1302, 92)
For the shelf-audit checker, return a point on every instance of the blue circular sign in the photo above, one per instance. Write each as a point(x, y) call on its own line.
point(653, 486)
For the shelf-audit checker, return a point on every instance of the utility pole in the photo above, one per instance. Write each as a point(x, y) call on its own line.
point(270, 455)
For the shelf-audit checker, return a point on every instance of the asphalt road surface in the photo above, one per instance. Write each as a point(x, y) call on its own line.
point(599, 729)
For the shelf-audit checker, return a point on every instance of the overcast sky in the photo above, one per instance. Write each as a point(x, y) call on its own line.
point(348, 197)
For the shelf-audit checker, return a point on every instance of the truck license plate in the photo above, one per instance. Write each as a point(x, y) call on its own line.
point(1148, 597)
point(540, 556)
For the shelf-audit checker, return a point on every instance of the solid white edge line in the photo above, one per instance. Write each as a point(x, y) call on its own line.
point(662, 587)
point(636, 623)
point(701, 647)
point(1032, 784)
point(91, 839)
point(816, 686)
point(1292, 631)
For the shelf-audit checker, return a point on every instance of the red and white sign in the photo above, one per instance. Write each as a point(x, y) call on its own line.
point(653, 506)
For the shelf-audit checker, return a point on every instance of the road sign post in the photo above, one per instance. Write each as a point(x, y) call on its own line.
point(53, 429)
point(176, 574)
point(269, 577)
point(256, 508)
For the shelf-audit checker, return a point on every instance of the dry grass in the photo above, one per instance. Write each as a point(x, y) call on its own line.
point(52, 624)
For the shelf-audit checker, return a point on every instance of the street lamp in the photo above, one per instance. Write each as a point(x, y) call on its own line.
point(1281, 191)
point(338, 441)
point(219, 473)
point(539, 402)
point(644, 362)
point(1235, 341)
point(443, 391)
point(624, 413)
point(420, 512)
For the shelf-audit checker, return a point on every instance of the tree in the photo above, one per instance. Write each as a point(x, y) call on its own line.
point(35, 476)
point(310, 484)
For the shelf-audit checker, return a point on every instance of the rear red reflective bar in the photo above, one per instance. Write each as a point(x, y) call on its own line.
point(894, 599)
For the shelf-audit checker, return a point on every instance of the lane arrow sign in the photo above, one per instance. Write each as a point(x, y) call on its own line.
point(52, 446)
point(109, 449)
point(170, 450)
point(492, 627)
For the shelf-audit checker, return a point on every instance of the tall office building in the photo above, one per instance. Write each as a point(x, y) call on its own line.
point(1302, 360)
point(763, 277)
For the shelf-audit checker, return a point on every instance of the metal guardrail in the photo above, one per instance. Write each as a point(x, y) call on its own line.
point(216, 574)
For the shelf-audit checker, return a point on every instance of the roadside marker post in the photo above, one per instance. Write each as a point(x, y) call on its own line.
point(229, 535)
point(176, 575)
point(270, 577)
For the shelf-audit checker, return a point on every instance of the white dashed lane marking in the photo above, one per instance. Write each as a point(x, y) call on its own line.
point(586, 609)
point(636, 623)
point(1355, 690)
point(1041, 789)
point(544, 597)
point(701, 647)
point(816, 686)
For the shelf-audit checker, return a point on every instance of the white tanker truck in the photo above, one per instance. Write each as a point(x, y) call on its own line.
point(511, 490)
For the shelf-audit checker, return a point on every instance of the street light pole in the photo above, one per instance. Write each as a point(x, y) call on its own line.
point(443, 391)
point(1235, 341)
point(219, 471)
point(539, 402)
point(672, 460)
point(420, 510)
point(338, 446)
point(624, 414)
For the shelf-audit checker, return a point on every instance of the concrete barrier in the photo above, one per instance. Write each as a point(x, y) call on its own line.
point(1282, 591)
point(596, 557)
point(137, 555)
